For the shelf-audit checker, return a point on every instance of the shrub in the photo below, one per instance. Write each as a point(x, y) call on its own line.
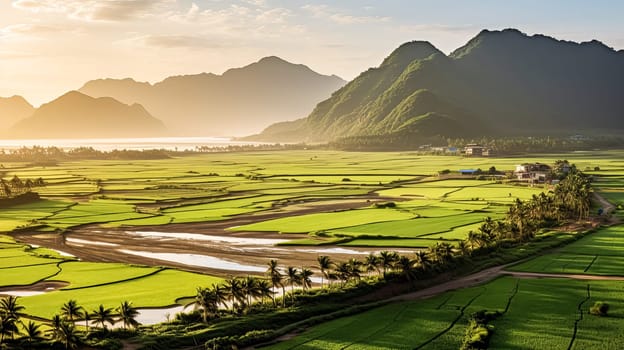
point(600, 308)
point(479, 332)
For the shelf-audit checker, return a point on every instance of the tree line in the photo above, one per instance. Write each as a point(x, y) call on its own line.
point(16, 186)
point(15, 332)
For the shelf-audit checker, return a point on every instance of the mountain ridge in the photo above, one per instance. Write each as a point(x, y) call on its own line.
point(75, 113)
point(239, 101)
point(13, 109)
point(501, 83)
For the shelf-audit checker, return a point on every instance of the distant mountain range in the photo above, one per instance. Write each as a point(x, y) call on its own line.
point(13, 109)
point(238, 102)
point(76, 115)
point(501, 83)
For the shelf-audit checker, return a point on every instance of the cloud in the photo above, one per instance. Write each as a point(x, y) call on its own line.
point(178, 41)
point(97, 10)
point(31, 30)
point(328, 13)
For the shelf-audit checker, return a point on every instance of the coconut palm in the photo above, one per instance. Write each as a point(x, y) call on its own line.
point(276, 277)
point(8, 326)
point(304, 278)
point(32, 333)
point(292, 278)
point(343, 272)
point(220, 294)
point(324, 264)
point(68, 335)
point(102, 316)
point(462, 248)
point(71, 310)
point(55, 323)
point(386, 260)
point(421, 259)
point(405, 265)
point(371, 263)
point(204, 301)
point(354, 268)
point(9, 307)
point(127, 315)
point(235, 292)
point(10, 313)
point(264, 289)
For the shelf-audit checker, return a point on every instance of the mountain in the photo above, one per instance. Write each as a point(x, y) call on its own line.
point(238, 102)
point(76, 115)
point(13, 109)
point(501, 83)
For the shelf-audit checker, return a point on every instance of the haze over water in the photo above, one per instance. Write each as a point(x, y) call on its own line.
point(109, 144)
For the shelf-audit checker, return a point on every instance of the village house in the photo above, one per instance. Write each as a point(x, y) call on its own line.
point(476, 150)
point(533, 172)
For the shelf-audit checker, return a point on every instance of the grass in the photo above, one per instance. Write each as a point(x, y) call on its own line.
point(325, 221)
point(598, 253)
point(158, 290)
point(412, 228)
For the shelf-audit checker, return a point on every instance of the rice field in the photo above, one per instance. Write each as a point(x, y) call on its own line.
point(425, 210)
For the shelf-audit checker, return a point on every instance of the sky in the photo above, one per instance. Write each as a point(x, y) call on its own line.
point(48, 47)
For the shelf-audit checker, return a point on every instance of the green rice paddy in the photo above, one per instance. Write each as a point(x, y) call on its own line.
point(426, 210)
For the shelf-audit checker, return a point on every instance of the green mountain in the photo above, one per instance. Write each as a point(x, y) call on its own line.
point(13, 109)
point(76, 115)
point(501, 83)
point(238, 102)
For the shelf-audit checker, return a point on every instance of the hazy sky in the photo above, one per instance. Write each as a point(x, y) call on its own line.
point(48, 47)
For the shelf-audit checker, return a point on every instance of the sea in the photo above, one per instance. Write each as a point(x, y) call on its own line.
point(168, 143)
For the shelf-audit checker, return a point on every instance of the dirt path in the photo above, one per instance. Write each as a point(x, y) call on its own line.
point(490, 274)
point(519, 274)
point(474, 279)
point(606, 205)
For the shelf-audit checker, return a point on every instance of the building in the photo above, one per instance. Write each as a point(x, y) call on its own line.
point(476, 150)
point(533, 172)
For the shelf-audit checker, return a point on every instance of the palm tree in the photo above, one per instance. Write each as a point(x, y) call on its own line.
point(354, 268)
point(371, 263)
point(343, 272)
point(87, 319)
point(304, 278)
point(10, 312)
point(264, 289)
point(102, 316)
point(220, 295)
point(56, 325)
point(386, 260)
point(8, 326)
point(324, 264)
point(71, 310)
point(127, 315)
point(292, 278)
point(67, 335)
point(32, 332)
point(276, 277)
point(421, 259)
point(235, 291)
point(462, 248)
point(406, 267)
point(10, 307)
point(204, 301)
